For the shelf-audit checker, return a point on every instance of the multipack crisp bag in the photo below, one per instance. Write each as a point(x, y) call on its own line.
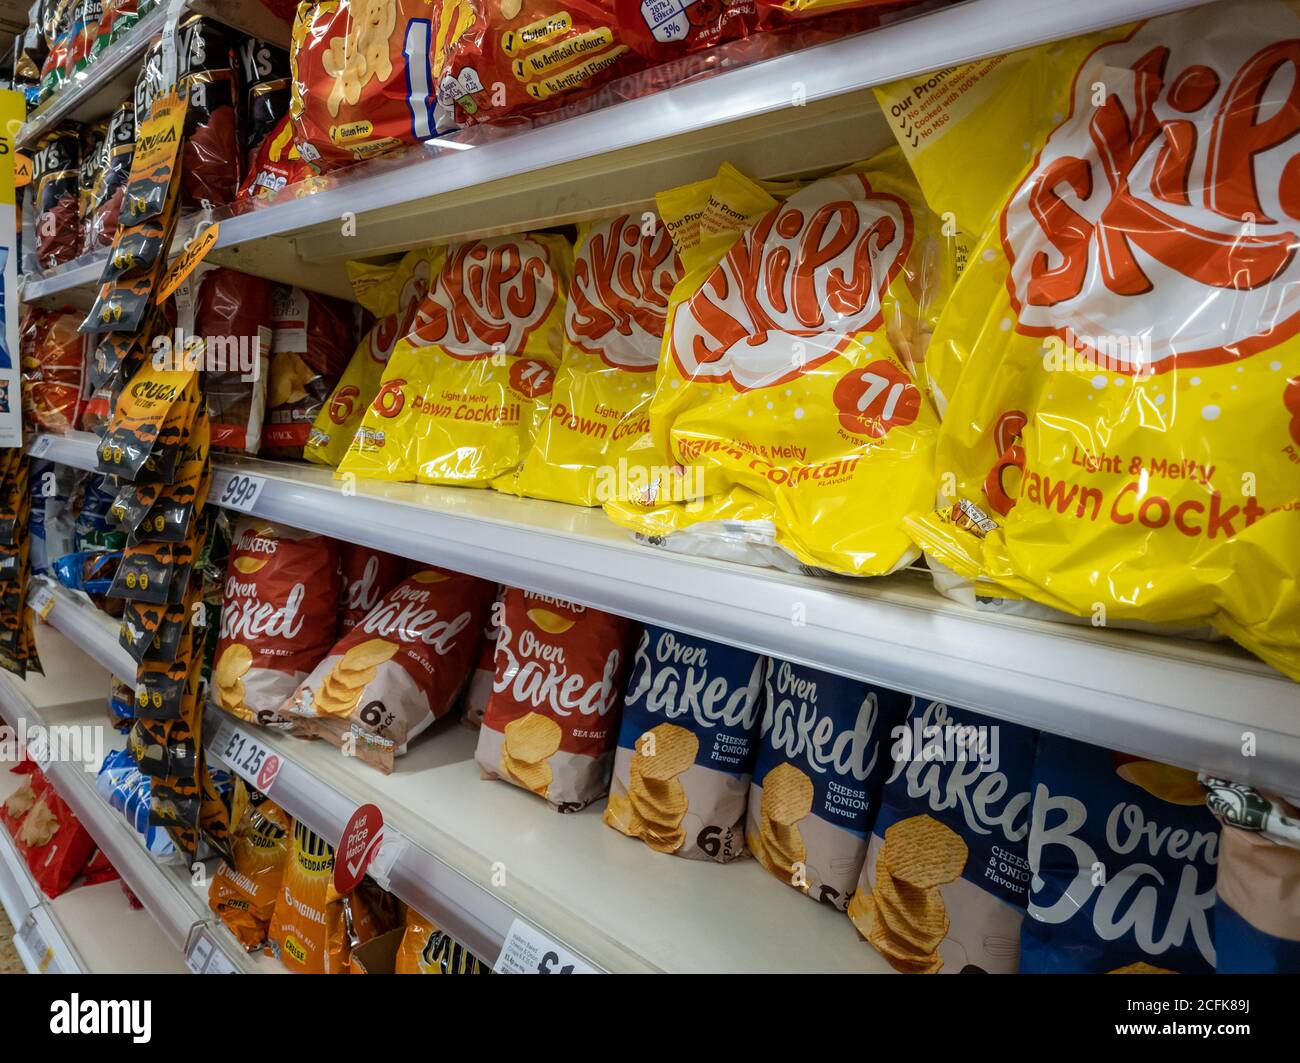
point(686, 746)
point(278, 619)
point(595, 422)
point(551, 722)
point(823, 756)
point(1257, 911)
point(243, 894)
point(787, 386)
point(1118, 364)
point(368, 575)
point(459, 401)
point(366, 74)
point(397, 671)
point(946, 879)
point(1146, 826)
point(392, 293)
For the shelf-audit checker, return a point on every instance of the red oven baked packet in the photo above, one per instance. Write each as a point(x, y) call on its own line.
point(233, 315)
point(279, 618)
point(398, 670)
point(368, 575)
point(551, 723)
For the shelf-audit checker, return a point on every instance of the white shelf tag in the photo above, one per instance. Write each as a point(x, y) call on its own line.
point(247, 757)
point(41, 600)
point(238, 491)
point(207, 957)
point(528, 951)
point(40, 446)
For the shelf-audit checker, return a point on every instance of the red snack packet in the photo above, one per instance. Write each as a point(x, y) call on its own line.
point(233, 315)
point(56, 172)
point(368, 575)
point(551, 723)
point(52, 841)
point(279, 618)
point(16, 806)
point(98, 869)
point(54, 371)
point(398, 670)
point(209, 68)
point(274, 165)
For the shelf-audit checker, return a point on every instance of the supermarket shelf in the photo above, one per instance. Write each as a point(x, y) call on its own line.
point(814, 104)
point(75, 284)
point(73, 695)
point(91, 631)
point(583, 885)
point(111, 78)
point(1175, 700)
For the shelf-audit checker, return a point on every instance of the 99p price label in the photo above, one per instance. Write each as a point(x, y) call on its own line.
point(238, 491)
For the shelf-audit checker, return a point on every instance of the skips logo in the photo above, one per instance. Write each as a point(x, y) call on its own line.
point(489, 297)
point(791, 293)
point(1165, 206)
point(618, 302)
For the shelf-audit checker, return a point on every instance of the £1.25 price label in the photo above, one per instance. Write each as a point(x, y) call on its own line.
point(238, 491)
point(247, 757)
point(528, 951)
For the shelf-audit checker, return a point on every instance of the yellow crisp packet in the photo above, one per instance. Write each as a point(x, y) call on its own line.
point(786, 376)
point(594, 427)
point(459, 400)
point(1119, 360)
point(392, 293)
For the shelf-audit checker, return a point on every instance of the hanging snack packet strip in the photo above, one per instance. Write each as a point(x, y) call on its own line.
point(596, 420)
point(392, 293)
point(786, 388)
point(551, 723)
point(823, 756)
point(1119, 362)
point(1146, 823)
point(460, 397)
point(686, 746)
point(399, 670)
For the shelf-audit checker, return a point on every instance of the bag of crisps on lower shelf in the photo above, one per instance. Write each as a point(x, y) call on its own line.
point(279, 616)
point(244, 895)
point(1118, 364)
point(595, 423)
point(945, 882)
point(427, 950)
point(460, 398)
point(551, 723)
point(365, 74)
point(1148, 826)
point(686, 746)
point(789, 396)
point(397, 671)
point(392, 293)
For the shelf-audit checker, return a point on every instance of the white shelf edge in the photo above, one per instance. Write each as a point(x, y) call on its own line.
point(1173, 700)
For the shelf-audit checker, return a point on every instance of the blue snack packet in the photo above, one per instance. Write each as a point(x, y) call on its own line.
point(946, 879)
point(823, 756)
point(686, 746)
point(1124, 856)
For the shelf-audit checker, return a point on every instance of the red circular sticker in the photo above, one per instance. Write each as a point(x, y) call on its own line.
point(876, 398)
point(270, 769)
point(357, 847)
point(531, 378)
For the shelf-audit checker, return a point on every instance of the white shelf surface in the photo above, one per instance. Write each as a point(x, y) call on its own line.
point(74, 693)
point(616, 157)
point(1180, 701)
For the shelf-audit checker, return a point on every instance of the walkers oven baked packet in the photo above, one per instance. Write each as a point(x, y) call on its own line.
point(686, 746)
point(945, 882)
point(551, 723)
point(1124, 856)
point(823, 756)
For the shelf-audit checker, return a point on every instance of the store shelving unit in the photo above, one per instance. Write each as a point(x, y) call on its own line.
point(92, 929)
point(1175, 700)
point(801, 112)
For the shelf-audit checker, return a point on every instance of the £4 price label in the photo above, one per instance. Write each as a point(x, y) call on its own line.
point(240, 492)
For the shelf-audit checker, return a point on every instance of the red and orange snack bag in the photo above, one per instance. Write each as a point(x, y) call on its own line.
point(279, 617)
point(551, 723)
point(368, 575)
point(402, 667)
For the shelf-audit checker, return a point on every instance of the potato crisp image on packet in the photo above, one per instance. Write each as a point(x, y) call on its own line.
point(946, 877)
point(686, 746)
point(823, 755)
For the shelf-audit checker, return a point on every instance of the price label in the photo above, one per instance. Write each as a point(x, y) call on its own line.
point(528, 951)
point(40, 446)
point(207, 957)
point(238, 491)
point(36, 945)
point(247, 757)
point(41, 600)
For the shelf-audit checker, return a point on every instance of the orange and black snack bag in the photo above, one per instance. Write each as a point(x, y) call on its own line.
point(156, 159)
point(159, 513)
point(141, 622)
point(214, 814)
point(149, 416)
point(145, 574)
point(156, 754)
point(56, 174)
